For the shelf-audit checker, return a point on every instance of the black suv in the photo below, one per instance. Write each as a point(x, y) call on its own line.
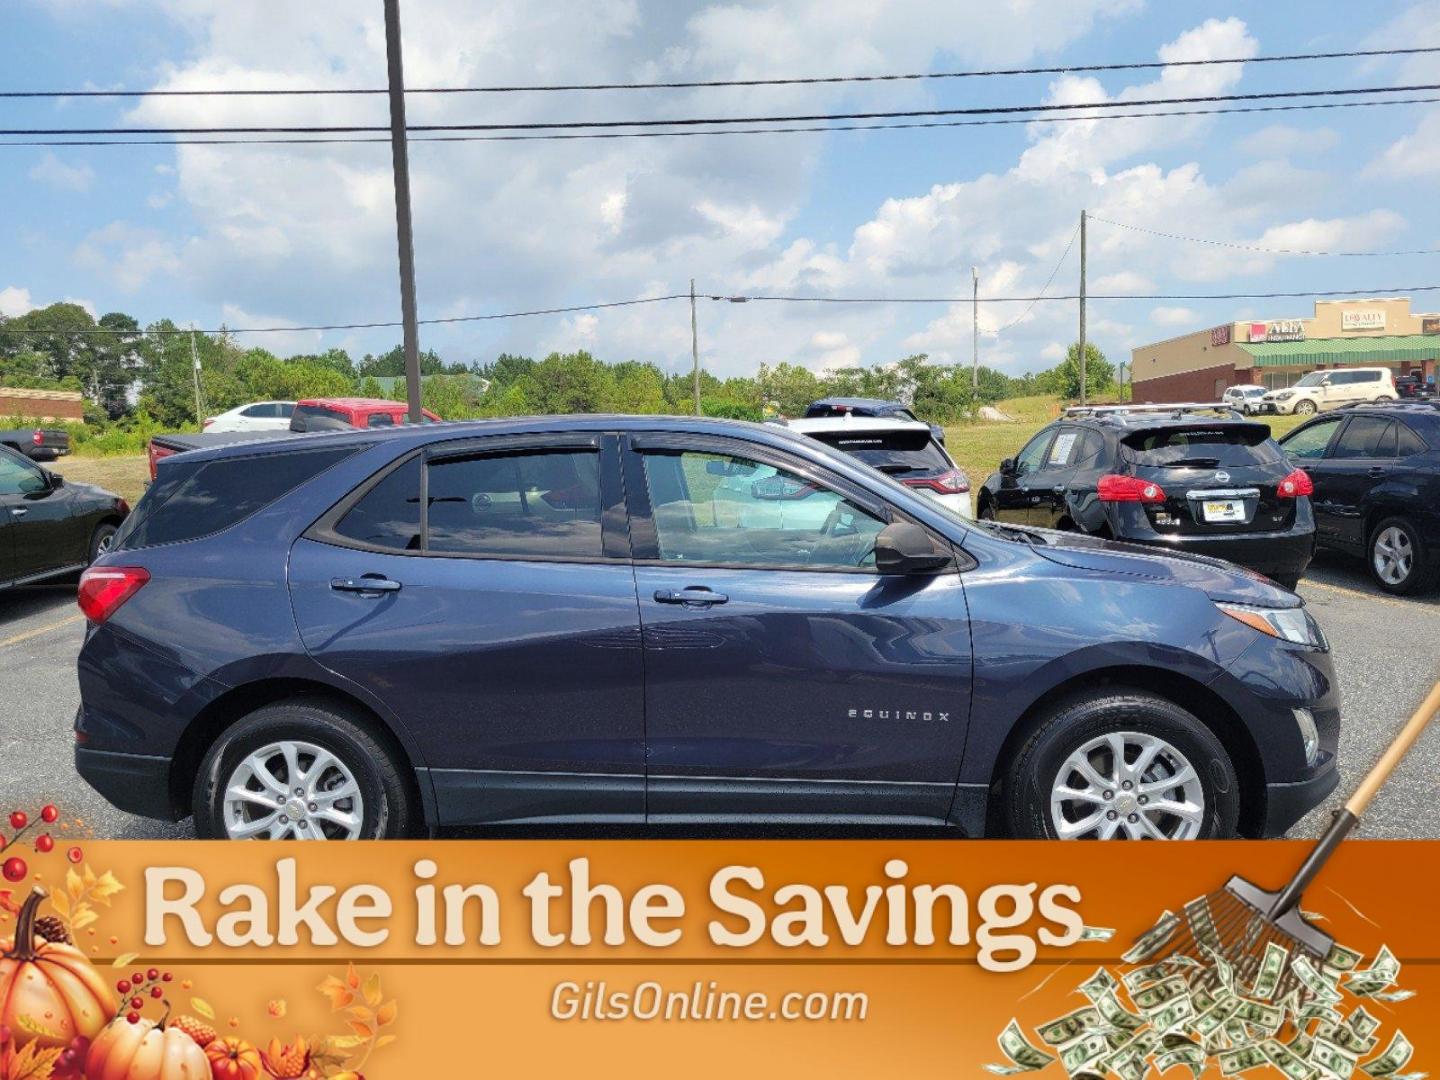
point(1376, 473)
point(1199, 479)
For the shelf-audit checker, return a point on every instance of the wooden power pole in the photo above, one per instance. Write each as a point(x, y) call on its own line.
point(404, 234)
point(694, 347)
point(1082, 307)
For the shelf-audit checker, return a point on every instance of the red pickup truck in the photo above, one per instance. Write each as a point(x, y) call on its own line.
point(312, 414)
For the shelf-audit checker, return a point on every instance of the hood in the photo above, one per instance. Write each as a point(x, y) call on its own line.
point(1217, 579)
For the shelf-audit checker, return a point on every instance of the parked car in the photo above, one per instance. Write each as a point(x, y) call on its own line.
point(257, 416)
point(1376, 472)
point(1246, 397)
point(877, 407)
point(37, 443)
point(1414, 386)
point(48, 527)
point(1192, 478)
point(905, 449)
point(1322, 390)
point(376, 633)
point(310, 415)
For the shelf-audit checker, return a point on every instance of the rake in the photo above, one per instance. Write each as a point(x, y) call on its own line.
point(1238, 922)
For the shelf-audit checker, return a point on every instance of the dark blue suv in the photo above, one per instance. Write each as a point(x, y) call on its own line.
point(640, 619)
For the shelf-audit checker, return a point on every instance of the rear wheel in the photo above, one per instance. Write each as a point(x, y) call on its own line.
point(301, 770)
point(1121, 764)
point(101, 540)
point(1305, 407)
point(987, 511)
point(1398, 560)
point(1286, 581)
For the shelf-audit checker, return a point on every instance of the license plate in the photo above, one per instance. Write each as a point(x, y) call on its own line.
point(1224, 510)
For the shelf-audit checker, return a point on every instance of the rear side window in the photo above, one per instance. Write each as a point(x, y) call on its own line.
point(380, 419)
point(1203, 448)
point(388, 515)
point(888, 451)
point(1366, 437)
point(192, 500)
point(1410, 443)
point(318, 418)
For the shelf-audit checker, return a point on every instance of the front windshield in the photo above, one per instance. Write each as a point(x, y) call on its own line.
point(1315, 378)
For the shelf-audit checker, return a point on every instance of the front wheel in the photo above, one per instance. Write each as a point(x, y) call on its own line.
point(1121, 764)
point(101, 540)
point(301, 770)
point(1398, 561)
point(1305, 407)
point(987, 512)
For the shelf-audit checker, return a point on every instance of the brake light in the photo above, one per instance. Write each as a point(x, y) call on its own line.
point(104, 588)
point(1296, 484)
point(38, 438)
point(950, 483)
point(208, 421)
point(155, 454)
point(1116, 488)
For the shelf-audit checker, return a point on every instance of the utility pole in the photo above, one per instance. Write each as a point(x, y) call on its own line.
point(975, 330)
point(1082, 307)
point(694, 347)
point(404, 235)
point(195, 371)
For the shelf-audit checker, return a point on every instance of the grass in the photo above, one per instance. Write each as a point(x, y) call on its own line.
point(977, 448)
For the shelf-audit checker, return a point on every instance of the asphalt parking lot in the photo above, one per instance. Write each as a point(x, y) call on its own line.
point(1385, 654)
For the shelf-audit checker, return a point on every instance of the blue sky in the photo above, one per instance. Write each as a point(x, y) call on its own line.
point(274, 236)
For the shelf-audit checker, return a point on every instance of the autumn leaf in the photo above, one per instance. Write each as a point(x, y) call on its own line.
point(84, 915)
point(361, 1013)
point(386, 1013)
point(352, 977)
point(32, 1063)
point(339, 994)
point(35, 1027)
point(384, 1040)
point(105, 888)
point(60, 902)
point(344, 1042)
point(365, 1031)
point(124, 959)
point(203, 1007)
point(372, 989)
point(73, 885)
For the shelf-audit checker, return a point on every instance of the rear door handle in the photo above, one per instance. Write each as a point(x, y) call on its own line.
point(1377, 470)
point(19, 511)
point(696, 596)
point(364, 585)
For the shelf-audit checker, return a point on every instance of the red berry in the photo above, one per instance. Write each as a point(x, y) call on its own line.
point(166, 977)
point(133, 1017)
point(75, 854)
point(123, 986)
point(137, 1003)
point(49, 813)
point(44, 843)
point(156, 992)
point(138, 978)
point(15, 869)
point(152, 974)
point(19, 819)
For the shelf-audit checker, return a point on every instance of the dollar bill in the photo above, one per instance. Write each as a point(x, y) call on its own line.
point(1272, 966)
point(1242, 1059)
point(1084, 1052)
point(1153, 940)
point(1319, 987)
point(1148, 973)
point(1342, 959)
point(1115, 1014)
point(1380, 975)
point(1179, 1011)
point(1223, 971)
point(1287, 1061)
point(1391, 996)
point(1213, 1018)
point(1345, 1037)
point(1069, 1027)
point(1193, 1057)
point(1102, 982)
point(1334, 1059)
point(1154, 997)
point(1097, 933)
point(1023, 1056)
point(1202, 923)
point(1267, 1017)
point(1396, 1056)
point(1361, 1021)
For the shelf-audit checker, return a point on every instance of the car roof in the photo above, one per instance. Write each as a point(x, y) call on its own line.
point(353, 402)
point(858, 403)
point(850, 422)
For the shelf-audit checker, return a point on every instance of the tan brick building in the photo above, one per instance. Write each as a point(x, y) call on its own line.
point(48, 405)
point(1275, 352)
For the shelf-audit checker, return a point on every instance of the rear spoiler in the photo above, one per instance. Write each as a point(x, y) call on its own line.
point(1177, 410)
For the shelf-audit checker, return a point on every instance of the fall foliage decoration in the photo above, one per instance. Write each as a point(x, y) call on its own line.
point(363, 1002)
point(287, 1061)
point(232, 1058)
point(145, 1050)
point(50, 992)
point(201, 1032)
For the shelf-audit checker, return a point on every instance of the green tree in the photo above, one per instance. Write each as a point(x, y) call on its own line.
point(787, 388)
point(1099, 372)
point(639, 388)
point(569, 383)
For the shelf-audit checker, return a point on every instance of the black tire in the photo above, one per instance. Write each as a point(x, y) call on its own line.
point(1066, 726)
point(1286, 581)
point(1422, 570)
point(987, 511)
point(389, 811)
point(1306, 408)
point(100, 540)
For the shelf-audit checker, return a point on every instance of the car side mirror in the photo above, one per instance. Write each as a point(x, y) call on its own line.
point(905, 548)
point(56, 480)
point(1007, 467)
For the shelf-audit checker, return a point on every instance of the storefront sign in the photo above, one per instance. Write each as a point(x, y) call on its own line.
point(1278, 330)
point(1220, 335)
point(1362, 320)
point(1430, 325)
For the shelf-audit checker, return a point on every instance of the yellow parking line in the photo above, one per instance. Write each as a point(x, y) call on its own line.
point(28, 634)
point(1373, 597)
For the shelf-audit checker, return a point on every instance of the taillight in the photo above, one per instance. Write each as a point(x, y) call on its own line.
point(950, 483)
point(104, 588)
point(781, 489)
point(1115, 488)
point(155, 453)
point(208, 421)
point(1296, 484)
point(38, 438)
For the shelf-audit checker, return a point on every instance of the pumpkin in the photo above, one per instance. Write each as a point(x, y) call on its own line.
point(51, 985)
point(233, 1059)
point(145, 1050)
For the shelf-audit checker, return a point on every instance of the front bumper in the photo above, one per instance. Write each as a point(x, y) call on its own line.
point(135, 783)
point(1285, 804)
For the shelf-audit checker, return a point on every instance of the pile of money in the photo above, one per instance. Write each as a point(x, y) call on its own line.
point(1199, 1011)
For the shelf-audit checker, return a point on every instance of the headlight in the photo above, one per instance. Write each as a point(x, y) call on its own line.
point(1285, 396)
point(1287, 624)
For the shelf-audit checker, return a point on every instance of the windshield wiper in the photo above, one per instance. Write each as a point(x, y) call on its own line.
point(1201, 462)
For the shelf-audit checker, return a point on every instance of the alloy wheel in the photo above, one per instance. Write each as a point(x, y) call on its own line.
point(1127, 785)
point(292, 790)
point(1393, 555)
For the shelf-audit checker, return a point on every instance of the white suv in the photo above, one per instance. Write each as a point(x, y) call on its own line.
point(1332, 389)
point(1246, 397)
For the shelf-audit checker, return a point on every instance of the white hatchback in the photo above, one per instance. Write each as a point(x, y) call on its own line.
point(257, 416)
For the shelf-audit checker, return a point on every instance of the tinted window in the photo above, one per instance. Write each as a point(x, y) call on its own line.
point(532, 504)
point(18, 477)
point(1366, 437)
point(318, 418)
point(380, 419)
point(1207, 448)
point(895, 452)
point(388, 515)
point(1028, 460)
point(284, 409)
point(1409, 442)
point(1065, 450)
point(196, 500)
point(264, 410)
point(1310, 442)
point(714, 508)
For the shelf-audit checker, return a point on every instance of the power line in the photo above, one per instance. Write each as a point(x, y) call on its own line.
point(715, 121)
point(1044, 288)
point(1142, 65)
point(1255, 247)
point(746, 299)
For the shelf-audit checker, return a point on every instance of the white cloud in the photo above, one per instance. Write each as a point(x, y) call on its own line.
point(1411, 156)
point(1282, 140)
point(15, 301)
point(281, 343)
point(1174, 316)
point(127, 255)
point(52, 171)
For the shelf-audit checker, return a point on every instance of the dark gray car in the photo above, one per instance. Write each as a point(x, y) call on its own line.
point(49, 528)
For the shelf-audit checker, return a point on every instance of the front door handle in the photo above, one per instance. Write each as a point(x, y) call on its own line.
point(19, 511)
point(1377, 470)
point(695, 596)
point(367, 585)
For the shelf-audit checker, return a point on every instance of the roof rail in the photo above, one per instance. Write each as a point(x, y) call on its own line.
point(1175, 409)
